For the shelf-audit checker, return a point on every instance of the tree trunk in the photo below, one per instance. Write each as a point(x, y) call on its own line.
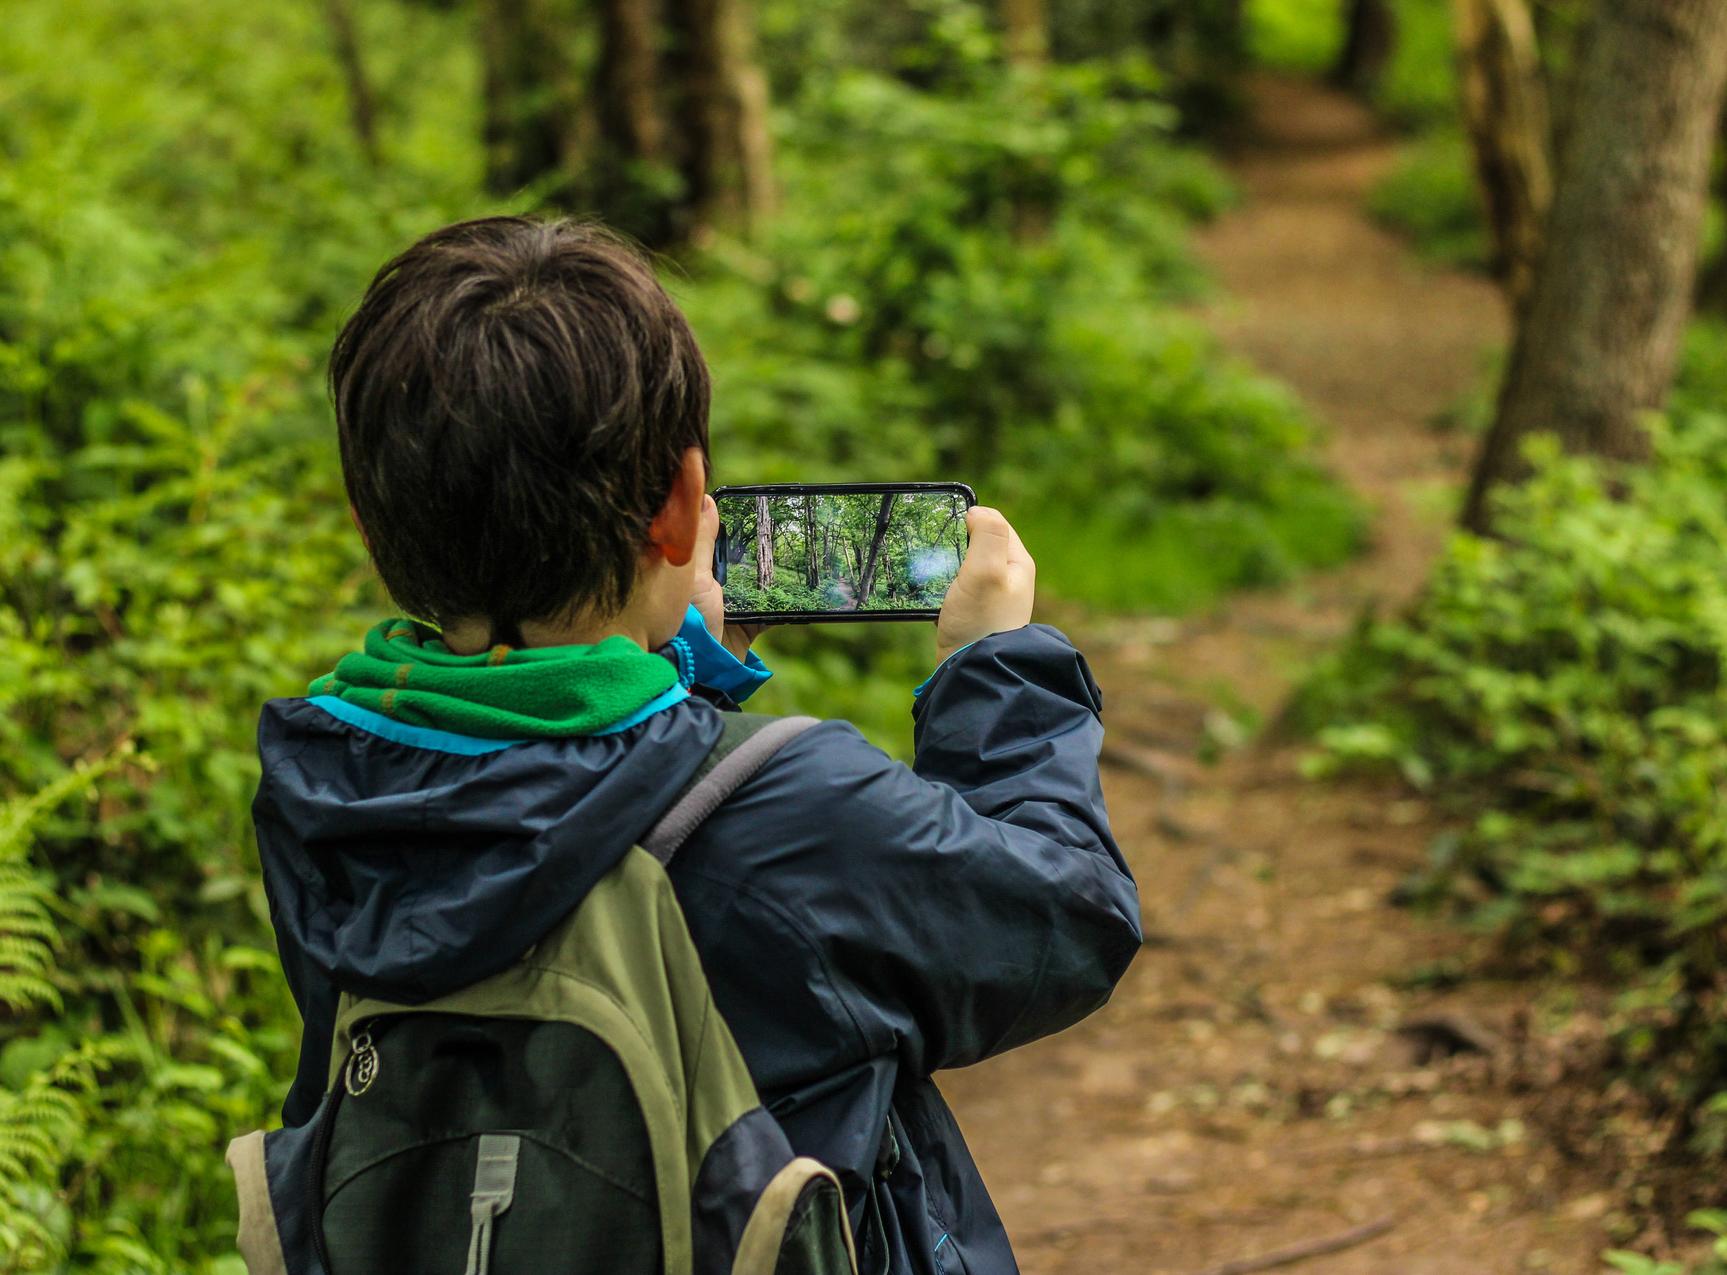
point(1370, 39)
point(630, 134)
point(1562, 29)
point(531, 123)
point(812, 574)
point(722, 115)
point(362, 102)
point(1601, 334)
point(1026, 25)
point(883, 516)
point(764, 544)
point(1504, 101)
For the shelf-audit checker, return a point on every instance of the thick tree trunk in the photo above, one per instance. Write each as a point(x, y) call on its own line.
point(1504, 100)
point(531, 122)
point(722, 114)
point(883, 517)
point(1601, 335)
point(362, 102)
point(1370, 38)
point(619, 181)
point(764, 544)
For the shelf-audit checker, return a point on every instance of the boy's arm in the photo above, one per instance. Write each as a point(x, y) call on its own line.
point(952, 911)
point(1010, 725)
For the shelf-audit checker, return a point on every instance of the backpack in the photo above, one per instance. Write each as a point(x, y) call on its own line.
point(584, 1112)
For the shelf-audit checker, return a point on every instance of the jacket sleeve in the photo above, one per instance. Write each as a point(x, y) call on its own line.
point(969, 904)
point(316, 998)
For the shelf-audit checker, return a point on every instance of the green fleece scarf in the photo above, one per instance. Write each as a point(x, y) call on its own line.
point(408, 674)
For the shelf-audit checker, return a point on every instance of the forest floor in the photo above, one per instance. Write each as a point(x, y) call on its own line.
point(1274, 1070)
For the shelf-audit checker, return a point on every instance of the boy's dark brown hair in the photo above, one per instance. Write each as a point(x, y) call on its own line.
point(513, 398)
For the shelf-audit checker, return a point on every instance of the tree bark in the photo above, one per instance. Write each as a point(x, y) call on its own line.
point(764, 544)
point(1370, 38)
point(722, 115)
point(362, 102)
point(626, 80)
point(618, 180)
point(1025, 27)
point(1504, 101)
point(531, 123)
point(1600, 338)
point(883, 517)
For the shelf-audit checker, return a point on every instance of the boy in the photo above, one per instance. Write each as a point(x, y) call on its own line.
point(523, 422)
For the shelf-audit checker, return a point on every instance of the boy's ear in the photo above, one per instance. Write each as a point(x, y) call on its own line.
point(673, 530)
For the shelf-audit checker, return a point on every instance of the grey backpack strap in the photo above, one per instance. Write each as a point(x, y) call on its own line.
point(747, 740)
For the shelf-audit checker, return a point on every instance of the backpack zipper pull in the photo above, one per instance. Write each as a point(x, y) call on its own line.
point(362, 1066)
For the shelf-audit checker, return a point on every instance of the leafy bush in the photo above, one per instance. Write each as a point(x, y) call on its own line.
point(1567, 685)
point(1420, 86)
point(1295, 35)
point(1432, 197)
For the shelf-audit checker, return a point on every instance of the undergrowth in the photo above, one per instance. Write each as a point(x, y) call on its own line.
point(1562, 690)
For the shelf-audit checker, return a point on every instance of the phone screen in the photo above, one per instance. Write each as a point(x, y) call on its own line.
point(865, 551)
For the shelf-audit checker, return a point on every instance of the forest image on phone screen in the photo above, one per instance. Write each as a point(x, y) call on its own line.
point(837, 552)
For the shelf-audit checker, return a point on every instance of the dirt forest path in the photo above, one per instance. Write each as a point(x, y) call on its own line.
point(1263, 1078)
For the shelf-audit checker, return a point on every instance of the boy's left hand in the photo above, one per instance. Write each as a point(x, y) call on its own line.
point(708, 597)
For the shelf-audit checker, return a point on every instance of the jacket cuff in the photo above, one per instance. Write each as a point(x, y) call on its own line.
point(918, 690)
point(1034, 656)
point(717, 668)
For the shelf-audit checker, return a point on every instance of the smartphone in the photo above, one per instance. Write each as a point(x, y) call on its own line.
point(806, 553)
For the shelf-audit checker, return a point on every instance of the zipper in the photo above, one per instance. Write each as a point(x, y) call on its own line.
point(358, 1072)
point(320, 1152)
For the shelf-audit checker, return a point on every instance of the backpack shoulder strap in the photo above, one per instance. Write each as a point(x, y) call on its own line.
point(746, 741)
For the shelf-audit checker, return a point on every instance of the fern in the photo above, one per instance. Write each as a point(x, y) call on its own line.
point(27, 939)
point(40, 1124)
point(28, 936)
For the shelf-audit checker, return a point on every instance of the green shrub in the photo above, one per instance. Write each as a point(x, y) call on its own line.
point(1295, 35)
point(1419, 89)
point(1567, 685)
point(1432, 197)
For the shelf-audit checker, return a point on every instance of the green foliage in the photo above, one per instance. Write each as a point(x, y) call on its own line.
point(1567, 686)
point(183, 219)
point(1295, 35)
point(1712, 1222)
point(1432, 197)
point(1419, 89)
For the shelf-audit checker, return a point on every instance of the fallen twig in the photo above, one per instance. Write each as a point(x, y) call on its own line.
point(1306, 1249)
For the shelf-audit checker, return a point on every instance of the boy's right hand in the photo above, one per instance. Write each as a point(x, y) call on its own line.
point(995, 586)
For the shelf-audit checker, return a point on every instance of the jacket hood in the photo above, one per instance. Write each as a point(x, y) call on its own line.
point(404, 863)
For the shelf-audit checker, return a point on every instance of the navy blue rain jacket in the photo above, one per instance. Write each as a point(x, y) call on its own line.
point(863, 924)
